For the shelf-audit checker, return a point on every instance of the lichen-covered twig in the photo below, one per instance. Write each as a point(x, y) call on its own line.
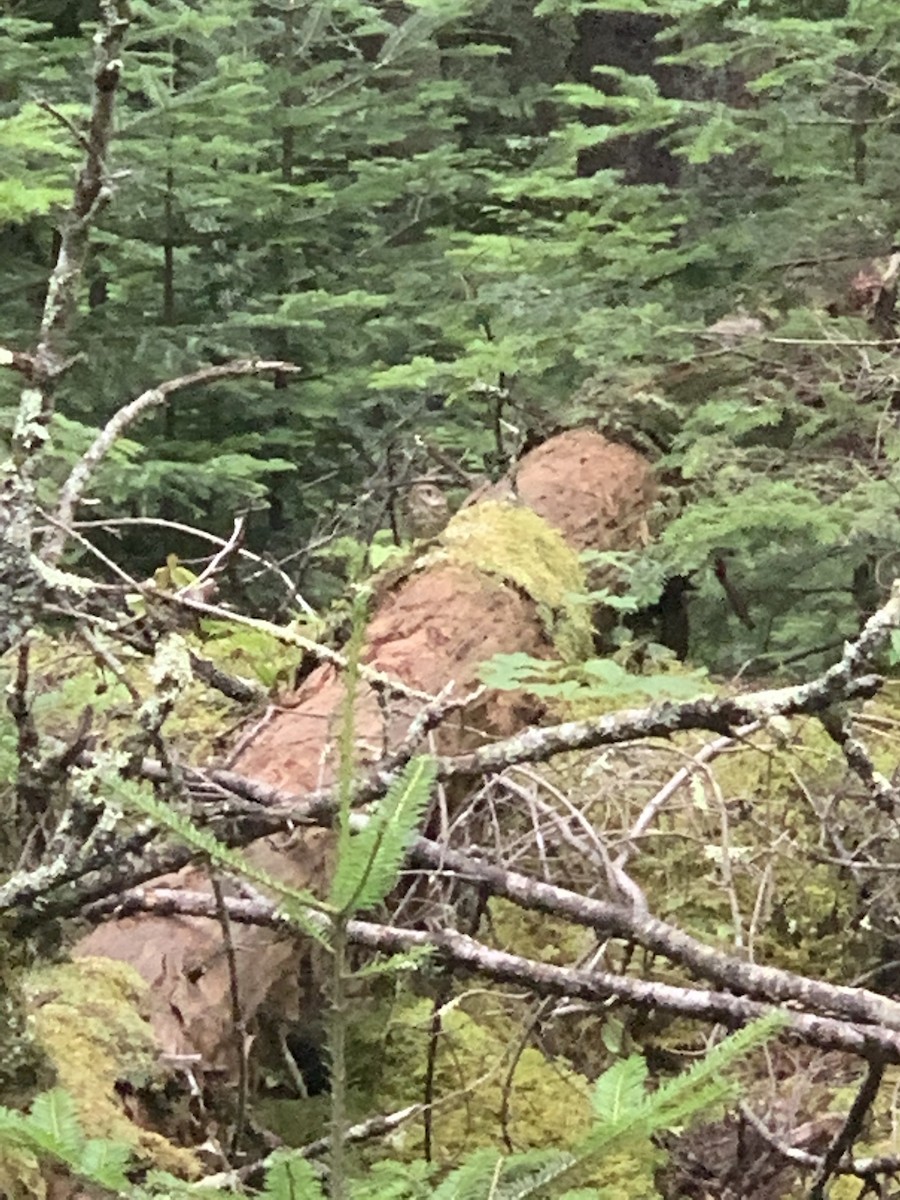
point(21, 586)
point(79, 477)
point(459, 951)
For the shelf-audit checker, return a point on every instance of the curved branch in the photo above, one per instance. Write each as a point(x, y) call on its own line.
point(74, 487)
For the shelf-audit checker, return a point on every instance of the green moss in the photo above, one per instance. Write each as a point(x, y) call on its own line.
point(549, 1103)
point(537, 935)
point(515, 544)
point(24, 1068)
point(546, 1102)
point(87, 1015)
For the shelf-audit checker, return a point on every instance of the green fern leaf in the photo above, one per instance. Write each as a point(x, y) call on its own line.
point(704, 1084)
point(291, 1177)
point(621, 1091)
point(474, 1180)
point(53, 1125)
point(528, 1174)
point(104, 1162)
point(371, 859)
point(12, 1126)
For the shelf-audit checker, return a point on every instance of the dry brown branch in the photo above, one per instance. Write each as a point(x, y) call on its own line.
point(21, 587)
point(852, 1127)
point(16, 360)
point(863, 1168)
point(114, 523)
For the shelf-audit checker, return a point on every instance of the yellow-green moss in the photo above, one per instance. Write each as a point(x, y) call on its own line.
point(87, 1015)
point(549, 1105)
point(515, 544)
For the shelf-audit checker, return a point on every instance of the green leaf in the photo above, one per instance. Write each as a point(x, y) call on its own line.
point(105, 1162)
point(369, 866)
point(53, 1124)
point(289, 1176)
point(621, 1091)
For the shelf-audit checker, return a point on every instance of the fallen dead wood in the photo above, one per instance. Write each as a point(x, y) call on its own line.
point(498, 580)
point(869, 1037)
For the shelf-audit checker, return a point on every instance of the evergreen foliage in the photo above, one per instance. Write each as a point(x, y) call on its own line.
point(401, 202)
point(405, 201)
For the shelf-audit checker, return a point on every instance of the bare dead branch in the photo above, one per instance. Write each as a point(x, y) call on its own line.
point(614, 920)
point(843, 1143)
point(78, 135)
point(377, 680)
point(241, 1033)
point(21, 587)
point(92, 190)
point(74, 488)
point(838, 728)
point(863, 1168)
point(461, 952)
point(253, 1174)
point(113, 523)
point(17, 360)
point(219, 560)
point(655, 805)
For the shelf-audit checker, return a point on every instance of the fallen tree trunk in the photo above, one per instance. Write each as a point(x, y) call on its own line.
point(499, 580)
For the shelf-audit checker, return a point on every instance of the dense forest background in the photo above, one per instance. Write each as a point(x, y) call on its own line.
point(261, 867)
point(472, 224)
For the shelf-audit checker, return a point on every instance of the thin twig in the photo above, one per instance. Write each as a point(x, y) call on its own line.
point(74, 488)
point(193, 531)
point(843, 1143)
point(227, 551)
point(67, 123)
point(237, 1012)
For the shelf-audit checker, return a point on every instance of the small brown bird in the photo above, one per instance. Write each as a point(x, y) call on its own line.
point(424, 511)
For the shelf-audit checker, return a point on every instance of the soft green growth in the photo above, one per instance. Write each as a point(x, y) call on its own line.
point(595, 679)
point(515, 544)
point(371, 859)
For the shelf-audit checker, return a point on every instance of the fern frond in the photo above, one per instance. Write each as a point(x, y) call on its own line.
point(52, 1128)
point(528, 1174)
point(297, 904)
point(473, 1180)
point(104, 1162)
point(53, 1125)
point(290, 1176)
point(630, 1115)
point(370, 861)
point(621, 1090)
point(12, 1126)
point(706, 1075)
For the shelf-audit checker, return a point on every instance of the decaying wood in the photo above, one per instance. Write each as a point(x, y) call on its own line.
point(435, 626)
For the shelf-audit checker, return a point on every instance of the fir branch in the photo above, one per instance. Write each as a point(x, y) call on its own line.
point(370, 861)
